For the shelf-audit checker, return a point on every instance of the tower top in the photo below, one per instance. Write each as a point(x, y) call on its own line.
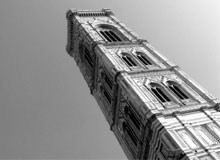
point(84, 13)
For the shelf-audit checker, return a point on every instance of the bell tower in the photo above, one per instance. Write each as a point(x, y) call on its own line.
point(155, 110)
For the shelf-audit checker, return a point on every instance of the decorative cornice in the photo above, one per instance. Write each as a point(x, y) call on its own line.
point(70, 13)
point(107, 11)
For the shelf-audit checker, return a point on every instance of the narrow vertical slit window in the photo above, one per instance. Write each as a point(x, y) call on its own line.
point(107, 96)
point(159, 92)
point(129, 60)
point(132, 135)
point(110, 33)
point(105, 36)
point(181, 92)
point(154, 90)
point(110, 36)
point(88, 57)
point(130, 113)
point(163, 95)
point(115, 36)
point(143, 59)
point(177, 90)
point(108, 81)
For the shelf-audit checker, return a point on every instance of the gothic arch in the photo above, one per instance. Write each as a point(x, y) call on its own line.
point(85, 55)
point(159, 91)
point(128, 59)
point(143, 58)
point(110, 33)
point(132, 115)
point(106, 94)
point(178, 90)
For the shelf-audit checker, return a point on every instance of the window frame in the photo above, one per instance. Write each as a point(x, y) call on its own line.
point(145, 60)
point(86, 55)
point(129, 60)
point(107, 80)
point(172, 101)
point(110, 33)
point(129, 133)
point(107, 96)
point(132, 115)
point(184, 91)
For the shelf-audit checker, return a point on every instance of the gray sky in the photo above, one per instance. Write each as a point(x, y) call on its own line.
point(46, 110)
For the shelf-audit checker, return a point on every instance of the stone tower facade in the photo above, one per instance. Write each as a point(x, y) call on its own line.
point(155, 110)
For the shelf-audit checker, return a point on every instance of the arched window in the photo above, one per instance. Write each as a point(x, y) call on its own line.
point(127, 129)
point(129, 113)
point(129, 60)
point(110, 33)
point(88, 57)
point(85, 54)
point(177, 90)
point(107, 79)
point(143, 58)
point(160, 92)
point(106, 94)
